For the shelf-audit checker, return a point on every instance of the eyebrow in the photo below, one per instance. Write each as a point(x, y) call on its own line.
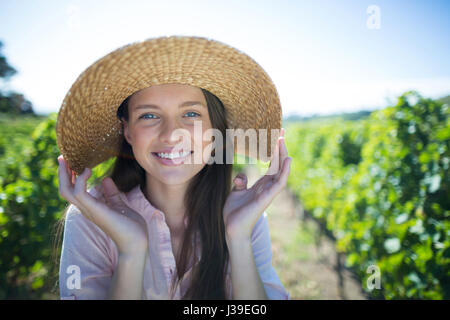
point(184, 104)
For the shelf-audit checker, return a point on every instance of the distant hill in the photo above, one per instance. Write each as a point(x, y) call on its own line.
point(445, 100)
point(346, 116)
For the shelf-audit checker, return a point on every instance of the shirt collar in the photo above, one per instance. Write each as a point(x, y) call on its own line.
point(137, 201)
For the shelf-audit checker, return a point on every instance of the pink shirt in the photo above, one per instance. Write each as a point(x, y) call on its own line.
point(89, 257)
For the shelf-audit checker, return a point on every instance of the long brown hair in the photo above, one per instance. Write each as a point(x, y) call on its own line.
point(204, 202)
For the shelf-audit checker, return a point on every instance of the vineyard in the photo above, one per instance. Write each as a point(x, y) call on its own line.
point(380, 185)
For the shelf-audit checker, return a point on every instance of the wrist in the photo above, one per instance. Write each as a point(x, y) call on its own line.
point(133, 253)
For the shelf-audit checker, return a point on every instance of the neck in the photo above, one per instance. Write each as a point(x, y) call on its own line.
point(169, 199)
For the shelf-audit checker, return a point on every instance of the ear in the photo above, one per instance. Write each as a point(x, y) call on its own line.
point(126, 131)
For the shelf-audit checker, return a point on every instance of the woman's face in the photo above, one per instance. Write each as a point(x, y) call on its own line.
point(154, 114)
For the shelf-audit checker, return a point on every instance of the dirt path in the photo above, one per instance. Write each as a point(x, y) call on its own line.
point(307, 264)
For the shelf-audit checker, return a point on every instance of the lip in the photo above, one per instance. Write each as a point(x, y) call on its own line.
point(170, 150)
point(171, 162)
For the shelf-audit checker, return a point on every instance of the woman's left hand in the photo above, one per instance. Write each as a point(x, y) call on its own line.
point(243, 206)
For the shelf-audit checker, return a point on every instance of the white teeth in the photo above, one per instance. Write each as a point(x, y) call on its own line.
point(173, 155)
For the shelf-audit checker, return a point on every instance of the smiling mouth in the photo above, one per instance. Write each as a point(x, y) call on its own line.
point(174, 156)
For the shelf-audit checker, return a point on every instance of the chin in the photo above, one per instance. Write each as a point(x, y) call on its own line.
point(171, 176)
point(181, 176)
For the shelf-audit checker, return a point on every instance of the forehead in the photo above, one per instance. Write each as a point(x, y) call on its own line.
point(167, 94)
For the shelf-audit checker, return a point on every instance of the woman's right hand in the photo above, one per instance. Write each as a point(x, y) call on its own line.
point(122, 224)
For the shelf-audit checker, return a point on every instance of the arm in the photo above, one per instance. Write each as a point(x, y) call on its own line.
point(242, 208)
point(245, 279)
point(128, 279)
point(243, 276)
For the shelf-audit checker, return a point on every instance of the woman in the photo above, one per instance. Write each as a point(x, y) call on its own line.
point(164, 224)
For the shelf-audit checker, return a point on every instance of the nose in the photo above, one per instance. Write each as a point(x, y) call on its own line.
point(168, 134)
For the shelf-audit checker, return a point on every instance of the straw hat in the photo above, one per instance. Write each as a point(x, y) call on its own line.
point(88, 129)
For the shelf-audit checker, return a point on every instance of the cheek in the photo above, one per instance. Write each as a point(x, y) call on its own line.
point(142, 139)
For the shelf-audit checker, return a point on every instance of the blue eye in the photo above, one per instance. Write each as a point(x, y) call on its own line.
point(193, 113)
point(144, 116)
point(147, 114)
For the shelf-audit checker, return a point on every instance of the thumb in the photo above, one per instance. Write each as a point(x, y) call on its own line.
point(240, 182)
point(111, 192)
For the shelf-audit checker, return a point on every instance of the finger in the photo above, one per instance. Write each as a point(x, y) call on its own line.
point(90, 206)
point(80, 184)
point(111, 192)
point(283, 150)
point(66, 165)
point(93, 209)
point(69, 171)
point(284, 175)
point(274, 161)
point(240, 182)
point(65, 185)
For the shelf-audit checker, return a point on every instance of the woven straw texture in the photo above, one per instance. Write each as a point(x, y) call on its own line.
point(88, 130)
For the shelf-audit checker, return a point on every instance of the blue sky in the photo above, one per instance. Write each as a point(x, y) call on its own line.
point(321, 55)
